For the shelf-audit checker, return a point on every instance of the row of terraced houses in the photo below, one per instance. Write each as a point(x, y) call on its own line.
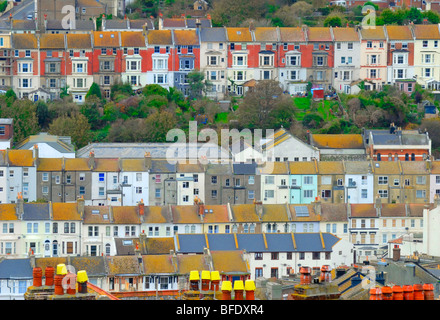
point(120, 181)
point(38, 65)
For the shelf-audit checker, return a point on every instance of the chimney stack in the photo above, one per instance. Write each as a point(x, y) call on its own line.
point(19, 208)
point(147, 160)
point(318, 207)
point(80, 206)
point(91, 161)
point(378, 205)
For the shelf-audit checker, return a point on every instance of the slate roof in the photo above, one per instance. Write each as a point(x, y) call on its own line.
point(218, 169)
point(126, 246)
point(192, 23)
point(245, 168)
point(156, 150)
point(257, 242)
point(56, 142)
point(16, 269)
point(80, 25)
point(162, 166)
point(36, 211)
point(216, 34)
point(407, 137)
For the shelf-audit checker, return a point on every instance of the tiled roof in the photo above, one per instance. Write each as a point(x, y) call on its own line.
point(312, 216)
point(7, 211)
point(187, 263)
point(345, 34)
point(65, 211)
point(215, 213)
point(43, 263)
point(426, 31)
point(158, 264)
point(357, 167)
point(302, 167)
point(416, 209)
point(266, 34)
point(337, 141)
point(274, 212)
point(94, 266)
point(52, 41)
point(106, 38)
point(189, 167)
point(79, 41)
point(76, 164)
point(174, 23)
point(319, 34)
point(123, 265)
point(96, 215)
point(399, 33)
point(50, 164)
point(133, 165)
point(414, 167)
point(229, 262)
point(292, 35)
point(333, 212)
point(132, 39)
point(393, 210)
point(377, 33)
point(330, 167)
point(244, 213)
point(159, 37)
point(107, 165)
point(435, 167)
point(386, 167)
point(363, 210)
point(20, 158)
point(185, 38)
point(186, 214)
point(157, 214)
point(24, 41)
point(273, 168)
point(126, 215)
point(159, 245)
point(239, 34)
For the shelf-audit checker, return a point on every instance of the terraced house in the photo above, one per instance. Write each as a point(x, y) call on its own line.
point(25, 66)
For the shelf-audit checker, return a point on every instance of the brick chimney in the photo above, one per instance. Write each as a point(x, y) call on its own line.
point(91, 161)
point(147, 160)
point(19, 208)
point(317, 205)
point(80, 206)
point(378, 205)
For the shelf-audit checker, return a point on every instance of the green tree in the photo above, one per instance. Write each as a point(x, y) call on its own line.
point(261, 106)
point(197, 84)
point(43, 114)
point(94, 90)
point(433, 17)
point(76, 126)
point(334, 21)
point(154, 89)
point(414, 15)
point(158, 124)
point(23, 112)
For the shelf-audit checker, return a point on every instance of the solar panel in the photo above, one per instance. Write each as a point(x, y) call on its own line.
point(302, 211)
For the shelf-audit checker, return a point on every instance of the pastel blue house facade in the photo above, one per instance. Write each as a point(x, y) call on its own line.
point(303, 182)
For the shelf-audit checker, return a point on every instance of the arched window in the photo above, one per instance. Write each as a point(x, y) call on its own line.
point(107, 249)
point(396, 157)
point(390, 157)
point(379, 157)
point(413, 157)
point(406, 157)
point(187, 229)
